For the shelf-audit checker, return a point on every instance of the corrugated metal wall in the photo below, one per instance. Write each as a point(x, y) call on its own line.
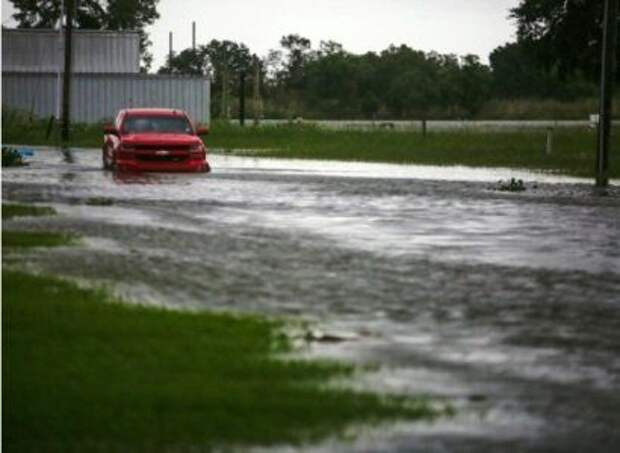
point(98, 97)
point(93, 51)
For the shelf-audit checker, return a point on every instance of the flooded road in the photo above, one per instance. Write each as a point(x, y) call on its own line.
point(506, 305)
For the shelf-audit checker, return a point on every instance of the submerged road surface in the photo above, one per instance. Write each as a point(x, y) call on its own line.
point(506, 305)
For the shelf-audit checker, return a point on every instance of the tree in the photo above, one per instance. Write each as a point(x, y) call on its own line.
point(330, 48)
point(93, 14)
point(226, 60)
point(564, 35)
point(189, 61)
point(516, 72)
point(414, 92)
point(298, 52)
point(474, 84)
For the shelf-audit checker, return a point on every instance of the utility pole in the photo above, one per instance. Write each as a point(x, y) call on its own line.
point(242, 98)
point(170, 51)
point(257, 100)
point(224, 92)
point(66, 82)
point(608, 76)
point(194, 35)
point(59, 49)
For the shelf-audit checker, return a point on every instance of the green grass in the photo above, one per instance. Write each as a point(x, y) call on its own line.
point(19, 128)
point(81, 373)
point(11, 210)
point(25, 239)
point(573, 153)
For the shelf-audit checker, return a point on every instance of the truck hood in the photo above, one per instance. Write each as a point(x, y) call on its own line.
point(160, 139)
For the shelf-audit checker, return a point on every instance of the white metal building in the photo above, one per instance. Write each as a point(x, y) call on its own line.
point(107, 78)
point(93, 51)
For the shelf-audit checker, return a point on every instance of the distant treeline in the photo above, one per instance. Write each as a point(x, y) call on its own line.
point(552, 69)
point(399, 82)
point(554, 61)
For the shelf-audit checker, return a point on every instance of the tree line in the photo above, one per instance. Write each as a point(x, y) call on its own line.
point(556, 55)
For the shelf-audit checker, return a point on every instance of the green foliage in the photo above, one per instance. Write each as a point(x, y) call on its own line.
point(21, 128)
point(473, 81)
point(573, 148)
point(404, 83)
point(92, 14)
point(12, 210)
point(82, 372)
point(562, 35)
point(189, 61)
point(26, 239)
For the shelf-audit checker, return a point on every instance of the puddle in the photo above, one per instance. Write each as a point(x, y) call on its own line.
point(505, 304)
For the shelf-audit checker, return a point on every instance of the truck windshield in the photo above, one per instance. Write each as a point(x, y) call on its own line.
point(156, 125)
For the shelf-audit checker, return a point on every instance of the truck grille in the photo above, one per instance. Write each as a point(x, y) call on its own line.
point(166, 158)
point(160, 147)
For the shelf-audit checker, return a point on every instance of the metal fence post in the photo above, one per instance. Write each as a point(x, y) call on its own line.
point(607, 85)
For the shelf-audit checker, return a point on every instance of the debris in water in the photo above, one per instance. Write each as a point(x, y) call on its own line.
point(330, 337)
point(514, 185)
point(99, 201)
point(13, 157)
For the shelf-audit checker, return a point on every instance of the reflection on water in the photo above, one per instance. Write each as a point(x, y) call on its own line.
point(506, 304)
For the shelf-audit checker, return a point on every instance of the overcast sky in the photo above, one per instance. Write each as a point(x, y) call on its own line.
point(446, 26)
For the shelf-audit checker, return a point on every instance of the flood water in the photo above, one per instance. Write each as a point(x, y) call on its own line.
point(505, 305)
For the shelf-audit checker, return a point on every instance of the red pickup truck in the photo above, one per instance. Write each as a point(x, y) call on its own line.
point(154, 140)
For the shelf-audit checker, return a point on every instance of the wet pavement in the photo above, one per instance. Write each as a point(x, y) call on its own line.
point(505, 305)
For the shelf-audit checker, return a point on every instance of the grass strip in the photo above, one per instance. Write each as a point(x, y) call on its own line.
point(83, 374)
point(25, 239)
point(11, 210)
point(573, 148)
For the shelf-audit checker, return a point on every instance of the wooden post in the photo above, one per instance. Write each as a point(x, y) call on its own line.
point(224, 112)
point(66, 81)
point(242, 98)
point(257, 100)
point(549, 146)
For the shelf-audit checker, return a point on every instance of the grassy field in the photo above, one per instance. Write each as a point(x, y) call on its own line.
point(573, 149)
point(83, 372)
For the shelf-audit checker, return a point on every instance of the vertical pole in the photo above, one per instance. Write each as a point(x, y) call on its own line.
point(607, 85)
point(66, 85)
point(224, 92)
point(242, 98)
point(194, 35)
point(257, 100)
point(549, 146)
point(170, 51)
point(58, 53)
